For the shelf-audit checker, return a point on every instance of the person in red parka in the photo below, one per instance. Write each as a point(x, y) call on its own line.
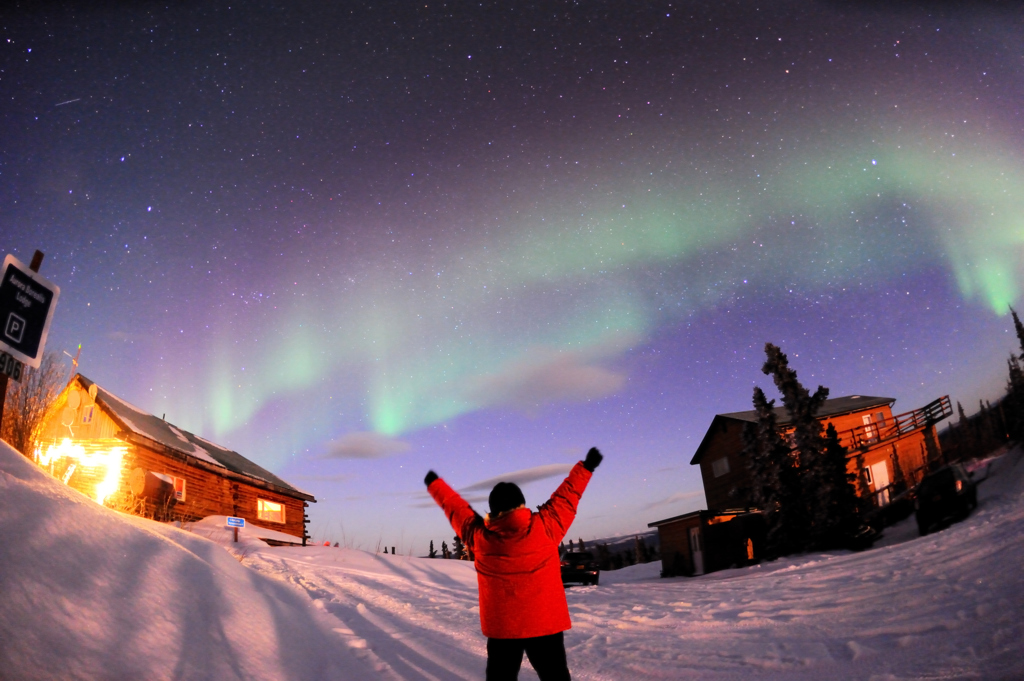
point(522, 600)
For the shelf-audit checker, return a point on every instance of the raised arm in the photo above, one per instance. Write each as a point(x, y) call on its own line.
point(558, 512)
point(463, 518)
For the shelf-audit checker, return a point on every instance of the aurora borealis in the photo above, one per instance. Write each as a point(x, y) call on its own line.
point(358, 242)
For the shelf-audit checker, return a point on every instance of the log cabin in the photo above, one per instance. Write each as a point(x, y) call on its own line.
point(126, 458)
point(889, 453)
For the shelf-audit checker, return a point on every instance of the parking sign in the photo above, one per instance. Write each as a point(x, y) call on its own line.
point(27, 302)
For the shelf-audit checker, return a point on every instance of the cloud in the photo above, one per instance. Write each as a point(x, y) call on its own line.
point(364, 445)
point(676, 498)
point(336, 477)
point(527, 475)
point(522, 477)
point(545, 377)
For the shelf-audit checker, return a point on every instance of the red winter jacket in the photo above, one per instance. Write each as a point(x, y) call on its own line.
point(517, 566)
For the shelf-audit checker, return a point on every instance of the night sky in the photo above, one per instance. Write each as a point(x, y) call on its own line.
point(358, 241)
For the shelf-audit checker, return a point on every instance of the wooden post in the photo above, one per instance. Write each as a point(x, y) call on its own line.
point(236, 534)
point(37, 262)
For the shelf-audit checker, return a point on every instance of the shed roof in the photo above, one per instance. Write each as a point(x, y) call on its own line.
point(168, 436)
point(830, 408)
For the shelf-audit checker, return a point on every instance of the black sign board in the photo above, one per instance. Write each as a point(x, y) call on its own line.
point(27, 302)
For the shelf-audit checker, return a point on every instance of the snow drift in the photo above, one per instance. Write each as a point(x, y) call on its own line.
point(89, 593)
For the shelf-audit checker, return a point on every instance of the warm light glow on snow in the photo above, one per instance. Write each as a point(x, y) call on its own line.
point(107, 460)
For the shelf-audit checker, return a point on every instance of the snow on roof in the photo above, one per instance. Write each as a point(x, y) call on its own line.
point(170, 436)
point(832, 407)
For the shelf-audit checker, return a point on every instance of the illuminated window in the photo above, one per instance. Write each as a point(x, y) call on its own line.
point(179, 489)
point(271, 511)
point(720, 467)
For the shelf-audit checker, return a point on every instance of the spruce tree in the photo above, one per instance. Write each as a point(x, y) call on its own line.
point(812, 477)
point(1015, 385)
point(776, 487)
point(433, 553)
point(641, 549)
point(445, 553)
point(843, 503)
point(458, 549)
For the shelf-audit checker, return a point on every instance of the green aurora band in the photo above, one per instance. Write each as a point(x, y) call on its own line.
point(410, 342)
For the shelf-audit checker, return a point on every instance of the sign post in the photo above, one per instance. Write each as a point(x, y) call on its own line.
point(235, 523)
point(27, 302)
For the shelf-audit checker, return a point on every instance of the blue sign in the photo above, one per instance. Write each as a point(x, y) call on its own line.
point(236, 522)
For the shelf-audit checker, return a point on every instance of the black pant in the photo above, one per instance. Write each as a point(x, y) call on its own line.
point(546, 654)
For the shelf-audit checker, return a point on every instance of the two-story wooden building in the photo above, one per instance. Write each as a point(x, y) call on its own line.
point(890, 452)
point(117, 453)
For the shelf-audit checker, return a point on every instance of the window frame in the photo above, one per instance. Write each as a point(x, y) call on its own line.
point(267, 515)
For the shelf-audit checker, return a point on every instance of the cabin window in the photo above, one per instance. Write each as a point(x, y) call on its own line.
point(880, 418)
point(179, 489)
point(271, 511)
point(720, 467)
point(87, 414)
point(867, 475)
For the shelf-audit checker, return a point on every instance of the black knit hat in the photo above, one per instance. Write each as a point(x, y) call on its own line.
point(504, 497)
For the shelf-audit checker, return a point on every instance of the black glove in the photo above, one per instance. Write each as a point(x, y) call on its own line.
point(431, 477)
point(593, 459)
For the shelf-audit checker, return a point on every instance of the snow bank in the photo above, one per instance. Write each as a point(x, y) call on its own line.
point(942, 606)
point(88, 593)
point(92, 594)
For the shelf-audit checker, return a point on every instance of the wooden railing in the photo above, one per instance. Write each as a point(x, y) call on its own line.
point(870, 434)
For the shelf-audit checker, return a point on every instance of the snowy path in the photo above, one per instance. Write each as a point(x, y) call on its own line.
point(943, 606)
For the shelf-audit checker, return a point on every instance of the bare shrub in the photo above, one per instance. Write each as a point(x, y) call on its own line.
point(28, 401)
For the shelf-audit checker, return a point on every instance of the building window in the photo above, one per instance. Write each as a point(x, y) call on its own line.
point(720, 467)
point(87, 414)
point(179, 489)
point(271, 511)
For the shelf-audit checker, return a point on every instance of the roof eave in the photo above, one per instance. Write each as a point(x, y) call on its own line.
point(149, 443)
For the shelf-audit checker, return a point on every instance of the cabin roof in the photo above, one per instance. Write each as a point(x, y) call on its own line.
point(179, 440)
point(830, 408)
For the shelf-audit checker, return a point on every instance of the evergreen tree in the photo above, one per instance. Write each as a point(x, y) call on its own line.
point(640, 547)
point(604, 556)
point(445, 553)
point(843, 505)
point(1019, 328)
point(458, 549)
point(810, 470)
point(1015, 385)
point(775, 485)
point(433, 553)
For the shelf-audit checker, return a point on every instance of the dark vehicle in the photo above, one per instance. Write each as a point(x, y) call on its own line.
point(580, 568)
point(948, 493)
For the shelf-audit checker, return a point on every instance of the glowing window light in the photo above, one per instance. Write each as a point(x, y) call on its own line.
point(109, 460)
point(270, 511)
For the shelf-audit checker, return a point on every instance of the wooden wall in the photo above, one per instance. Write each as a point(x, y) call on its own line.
point(731, 490)
point(674, 545)
point(206, 493)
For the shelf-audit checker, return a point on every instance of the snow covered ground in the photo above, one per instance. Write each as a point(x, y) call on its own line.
point(89, 593)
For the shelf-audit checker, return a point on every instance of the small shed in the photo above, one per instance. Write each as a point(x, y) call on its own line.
point(129, 459)
point(706, 541)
